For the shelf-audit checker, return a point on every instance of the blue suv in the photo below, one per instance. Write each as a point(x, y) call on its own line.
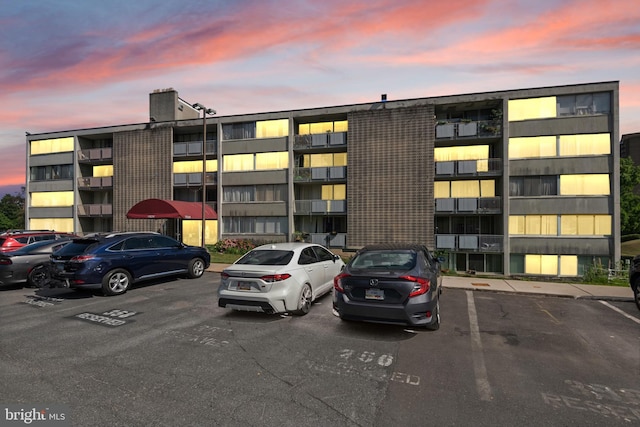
point(113, 262)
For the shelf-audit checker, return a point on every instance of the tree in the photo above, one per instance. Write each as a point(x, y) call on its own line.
point(12, 211)
point(629, 199)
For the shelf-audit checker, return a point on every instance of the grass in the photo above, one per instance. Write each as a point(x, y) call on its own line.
point(223, 258)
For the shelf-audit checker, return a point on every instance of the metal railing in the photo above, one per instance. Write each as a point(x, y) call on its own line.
point(194, 179)
point(193, 148)
point(320, 140)
point(481, 205)
point(95, 154)
point(95, 182)
point(329, 173)
point(308, 207)
point(477, 129)
point(470, 242)
point(95, 210)
point(481, 167)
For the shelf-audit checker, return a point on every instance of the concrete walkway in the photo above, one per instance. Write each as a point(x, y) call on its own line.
point(571, 290)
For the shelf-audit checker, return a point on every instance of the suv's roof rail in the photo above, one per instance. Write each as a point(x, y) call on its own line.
point(12, 232)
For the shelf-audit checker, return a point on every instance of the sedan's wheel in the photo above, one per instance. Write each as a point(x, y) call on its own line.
point(196, 268)
point(304, 302)
point(38, 276)
point(116, 282)
point(435, 321)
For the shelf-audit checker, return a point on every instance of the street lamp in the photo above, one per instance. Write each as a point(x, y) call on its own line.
point(211, 112)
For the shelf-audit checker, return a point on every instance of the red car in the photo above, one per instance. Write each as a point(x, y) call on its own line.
point(13, 239)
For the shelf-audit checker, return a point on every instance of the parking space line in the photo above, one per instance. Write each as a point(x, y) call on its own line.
point(479, 367)
point(635, 319)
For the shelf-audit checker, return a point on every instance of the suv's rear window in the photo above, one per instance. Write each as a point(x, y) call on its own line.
point(76, 247)
point(388, 260)
point(266, 257)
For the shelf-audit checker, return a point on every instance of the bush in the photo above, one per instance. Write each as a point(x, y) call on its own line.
point(233, 246)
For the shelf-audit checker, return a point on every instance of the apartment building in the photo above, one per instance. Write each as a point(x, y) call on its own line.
point(515, 182)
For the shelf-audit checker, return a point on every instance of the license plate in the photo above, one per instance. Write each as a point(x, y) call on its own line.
point(244, 286)
point(373, 293)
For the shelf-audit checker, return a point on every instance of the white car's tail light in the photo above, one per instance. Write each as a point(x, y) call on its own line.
point(271, 278)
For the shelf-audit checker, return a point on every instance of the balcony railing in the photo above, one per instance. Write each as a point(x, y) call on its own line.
point(483, 167)
point(320, 140)
point(470, 205)
point(469, 242)
point(330, 240)
point(95, 182)
point(194, 179)
point(479, 129)
point(330, 173)
point(95, 210)
point(193, 148)
point(95, 155)
point(308, 207)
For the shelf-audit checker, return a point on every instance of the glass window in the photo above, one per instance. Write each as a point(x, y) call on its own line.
point(52, 199)
point(322, 127)
point(238, 130)
point(272, 128)
point(568, 265)
point(487, 188)
point(441, 190)
point(323, 254)
point(584, 185)
point(585, 145)
point(194, 166)
point(533, 186)
point(266, 257)
point(46, 146)
point(105, 170)
point(237, 162)
point(532, 108)
point(532, 147)
point(472, 152)
point(64, 225)
point(279, 160)
point(307, 256)
point(340, 126)
point(516, 224)
point(541, 264)
point(334, 192)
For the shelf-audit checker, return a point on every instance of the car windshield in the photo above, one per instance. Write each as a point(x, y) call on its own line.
point(266, 257)
point(385, 260)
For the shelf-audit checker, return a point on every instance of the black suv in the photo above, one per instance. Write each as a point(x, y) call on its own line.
point(113, 262)
point(634, 279)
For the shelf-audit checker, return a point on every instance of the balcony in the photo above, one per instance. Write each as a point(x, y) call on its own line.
point(469, 242)
point(320, 140)
point(95, 156)
point(483, 167)
point(470, 205)
point(329, 240)
point(95, 183)
point(462, 130)
point(94, 210)
point(310, 207)
point(324, 174)
point(193, 148)
point(194, 179)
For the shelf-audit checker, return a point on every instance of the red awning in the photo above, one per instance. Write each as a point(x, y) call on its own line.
point(158, 208)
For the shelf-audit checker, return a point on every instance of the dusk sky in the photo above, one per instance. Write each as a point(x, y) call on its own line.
point(69, 64)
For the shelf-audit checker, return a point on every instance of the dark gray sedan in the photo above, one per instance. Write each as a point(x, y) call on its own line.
point(391, 283)
point(28, 264)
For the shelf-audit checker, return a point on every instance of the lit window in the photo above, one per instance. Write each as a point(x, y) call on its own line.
point(472, 152)
point(516, 224)
point(194, 166)
point(568, 265)
point(272, 128)
point(322, 127)
point(487, 188)
point(585, 225)
point(334, 192)
point(324, 160)
point(584, 185)
point(533, 108)
point(105, 170)
point(237, 162)
point(461, 189)
point(585, 145)
point(45, 146)
point(541, 264)
point(532, 147)
point(52, 199)
point(63, 225)
point(441, 190)
point(265, 161)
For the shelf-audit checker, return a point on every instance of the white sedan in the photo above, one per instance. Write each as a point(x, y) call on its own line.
point(279, 278)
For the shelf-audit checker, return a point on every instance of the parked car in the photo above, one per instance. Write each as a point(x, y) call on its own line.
point(113, 262)
point(390, 283)
point(28, 264)
point(14, 239)
point(634, 279)
point(279, 278)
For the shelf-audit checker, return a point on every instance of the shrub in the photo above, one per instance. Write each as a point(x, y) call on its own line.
point(233, 246)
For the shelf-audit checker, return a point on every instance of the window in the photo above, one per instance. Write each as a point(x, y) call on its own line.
point(532, 108)
point(585, 225)
point(463, 189)
point(568, 265)
point(324, 160)
point(272, 128)
point(322, 127)
point(46, 146)
point(266, 161)
point(532, 147)
point(47, 173)
point(255, 193)
point(537, 225)
point(584, 145)
point(584, 185)
point(238, 130)
point(334, 192)
point(583, 104)
point(237, 162)
point(541, 264)
point(52, 199)
point(194, 166)
point(106, 170)
point(533, 186)
point(59, 224)
point(472, 152)
point(255, 225)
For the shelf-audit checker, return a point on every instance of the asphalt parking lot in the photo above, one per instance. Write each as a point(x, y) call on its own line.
point(166, 355)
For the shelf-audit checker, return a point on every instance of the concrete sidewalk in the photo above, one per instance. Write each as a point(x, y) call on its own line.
point(571, 290)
